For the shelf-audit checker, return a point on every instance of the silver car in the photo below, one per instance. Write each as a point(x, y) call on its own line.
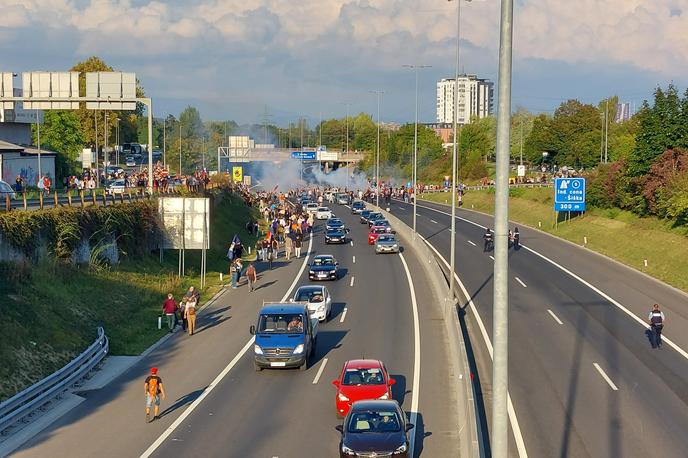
point(6, 190)
point(318, 298)
point(386, 243)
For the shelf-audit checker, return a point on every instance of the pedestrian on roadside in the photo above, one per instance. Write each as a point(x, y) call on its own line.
point(169, 308)
point(265, 244)
point(298, 241)
point(182, 313)
point(251, 277)
point(656, 319)
point(190, 314)
point(153, 388)
point(236, 272)
point(288, 245)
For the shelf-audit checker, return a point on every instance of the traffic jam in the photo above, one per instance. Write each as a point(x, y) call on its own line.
point(286, 336)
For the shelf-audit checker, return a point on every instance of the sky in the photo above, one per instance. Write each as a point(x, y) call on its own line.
point(241, 59)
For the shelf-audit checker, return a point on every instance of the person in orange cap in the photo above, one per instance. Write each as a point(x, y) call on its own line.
point(153, 388)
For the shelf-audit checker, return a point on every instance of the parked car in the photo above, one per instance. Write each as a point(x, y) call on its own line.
point(386, 243)
point(286, 336)
point(323, 267)
point(6, 190)
point(323, 213)
point(116, 187)
point(357, 207)
point(361, 379)
point(374, 428)
point(318, 299)
point(364, 215)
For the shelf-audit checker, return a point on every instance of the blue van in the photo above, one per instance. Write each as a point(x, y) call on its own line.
point(285, 336)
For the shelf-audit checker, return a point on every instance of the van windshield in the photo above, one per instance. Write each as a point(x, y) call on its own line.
point(281, 324)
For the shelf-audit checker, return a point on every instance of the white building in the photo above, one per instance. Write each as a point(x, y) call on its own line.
point(475, 99)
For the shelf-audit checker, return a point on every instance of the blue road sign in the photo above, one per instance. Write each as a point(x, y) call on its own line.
point(303, 155)
point(569, 194)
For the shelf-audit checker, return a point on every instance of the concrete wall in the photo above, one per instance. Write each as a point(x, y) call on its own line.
point(14, 132)
point(13, 164)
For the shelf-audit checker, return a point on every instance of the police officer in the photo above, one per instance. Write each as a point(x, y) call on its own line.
point(488, 240)
point(656, 319)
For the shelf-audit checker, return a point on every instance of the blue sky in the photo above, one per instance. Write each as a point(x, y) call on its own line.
point(232, 58)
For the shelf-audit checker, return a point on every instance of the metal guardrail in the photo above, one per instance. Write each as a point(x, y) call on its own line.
point(36, 396)
point(490, 186)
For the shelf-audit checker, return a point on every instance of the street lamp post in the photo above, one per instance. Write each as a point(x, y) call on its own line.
point(377, 161)
point(164, 141)
point(415, 144)
point(117, 140)
point(180, 148)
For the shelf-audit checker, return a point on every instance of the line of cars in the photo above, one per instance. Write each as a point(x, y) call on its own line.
point(374, 425)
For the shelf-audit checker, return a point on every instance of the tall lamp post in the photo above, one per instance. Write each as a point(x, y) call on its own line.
point(415, 143)
point(377, 161)
point(347, 104)
point(117, 141)
point(452, 254)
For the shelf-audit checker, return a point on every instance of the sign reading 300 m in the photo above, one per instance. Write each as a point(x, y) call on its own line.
point(569, 194)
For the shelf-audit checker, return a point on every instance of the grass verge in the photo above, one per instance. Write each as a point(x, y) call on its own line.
point(619, 234)
point(51, 310)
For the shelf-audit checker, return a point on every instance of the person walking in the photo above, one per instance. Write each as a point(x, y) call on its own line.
point(251, 277)
point(236, 272)
point(656, 319)
point(169, 308)
point(190, 314)
point(153, 388)
point(298, 242)
point(288, 245)
point(265, 244)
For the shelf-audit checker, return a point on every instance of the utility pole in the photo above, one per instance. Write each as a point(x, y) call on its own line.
point(521, 135)
point(500, 334)
point(105, 148)
point(320, 129)
point(38, 140)
point(379, 93)
point(180, 148)
point(164, 142)
point(95, 117)
point(347, 143)
point(117, 141)
point(606, 131)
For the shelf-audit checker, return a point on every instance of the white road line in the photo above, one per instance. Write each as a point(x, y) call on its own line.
point(189, 410)
point(433, 221)
point(556, 318)
point(492, 257)
point(354, 259)
point(352, 243)
point(320, 371)
point(605, 376)
point(415, 391)
point(352, 281)
point(472, 243)
point(639, 320)
point(521, 282)
point(341, 320)
point(515, 428)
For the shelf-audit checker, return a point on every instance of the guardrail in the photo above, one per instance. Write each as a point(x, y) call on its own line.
point(491, 186)
point(23, 404)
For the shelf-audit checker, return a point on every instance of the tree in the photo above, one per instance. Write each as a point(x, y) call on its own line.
point(521, 127)
point(61, 133)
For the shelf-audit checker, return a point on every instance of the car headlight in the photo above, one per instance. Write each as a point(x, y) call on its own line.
point(311, 271)
point(401, 449)
point(321, 308)
point(384, 396)
point(347, 451)
point(257, 350)
point(298, 350)
point(395, 245)
point(342, 398)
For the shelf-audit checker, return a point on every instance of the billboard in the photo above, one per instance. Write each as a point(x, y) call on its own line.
point(186, 222)
point(237, 174)
point(113, 86)
point(327, 156)
point(50, 85)
point(304, 155)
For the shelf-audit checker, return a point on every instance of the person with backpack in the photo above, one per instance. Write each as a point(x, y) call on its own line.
point(153, 388)
point(656, 319)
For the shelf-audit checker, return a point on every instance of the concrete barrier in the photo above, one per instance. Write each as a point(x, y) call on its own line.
point(467, 423)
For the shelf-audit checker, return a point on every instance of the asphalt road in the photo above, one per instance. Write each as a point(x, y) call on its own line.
point(275, 413)
point(583, 378)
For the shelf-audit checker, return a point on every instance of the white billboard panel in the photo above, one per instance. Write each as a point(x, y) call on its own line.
point(186, 222)
point(327, 156)
point(50, 85)
point(6, 86)
point(113, 86)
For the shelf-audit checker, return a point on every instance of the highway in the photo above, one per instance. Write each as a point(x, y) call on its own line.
point(219, 406)
point(583, 378)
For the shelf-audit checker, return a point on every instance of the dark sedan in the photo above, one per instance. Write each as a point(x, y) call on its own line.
point(364, 215)
point(323, 267)
point(357, 207)
point(374, 428)
point(335, 235)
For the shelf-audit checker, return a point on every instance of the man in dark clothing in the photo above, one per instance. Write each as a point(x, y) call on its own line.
point(169, 308)
point(656, 319)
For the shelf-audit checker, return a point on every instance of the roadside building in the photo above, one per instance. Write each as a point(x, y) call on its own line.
point(475, 99)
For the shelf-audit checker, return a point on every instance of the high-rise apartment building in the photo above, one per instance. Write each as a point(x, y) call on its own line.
point(475, 99)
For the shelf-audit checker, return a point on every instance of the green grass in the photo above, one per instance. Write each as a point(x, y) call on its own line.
point(51, 310)
point(619, 234)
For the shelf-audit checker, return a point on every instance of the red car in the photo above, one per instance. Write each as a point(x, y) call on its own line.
point(361, 379)
point(374, 232)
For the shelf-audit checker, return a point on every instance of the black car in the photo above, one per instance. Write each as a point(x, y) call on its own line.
point(374, 217)
point(364, 215)
point(335, 235)
point(357, 207)
point(374, 428)
point(323, 267)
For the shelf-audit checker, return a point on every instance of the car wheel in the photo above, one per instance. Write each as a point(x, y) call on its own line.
point(257, 368)
point(304, 366)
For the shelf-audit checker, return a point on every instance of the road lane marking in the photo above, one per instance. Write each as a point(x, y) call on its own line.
point(415, 391)
point(605, 376)
point(352, 281)
point(433, 221)
point(621, 307)
point(515, 427)
point(341, 320)
point(189, 410)
point(492, 257)
point(354, 259)
point(352, 243)
point(521, 282)
point(472, 243)
point(320, 371)
point(554, 316)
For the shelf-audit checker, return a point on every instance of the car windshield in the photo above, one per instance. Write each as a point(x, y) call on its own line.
point(386, 238)
point(365, 213)
point(357, 377)
point(281, 324)
point(378, 230)
point(374, 422)
point(310, 295)
point(323, 261)
point(335, 232)
point(334, 222)
point(358, 204)
point(323, 209)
